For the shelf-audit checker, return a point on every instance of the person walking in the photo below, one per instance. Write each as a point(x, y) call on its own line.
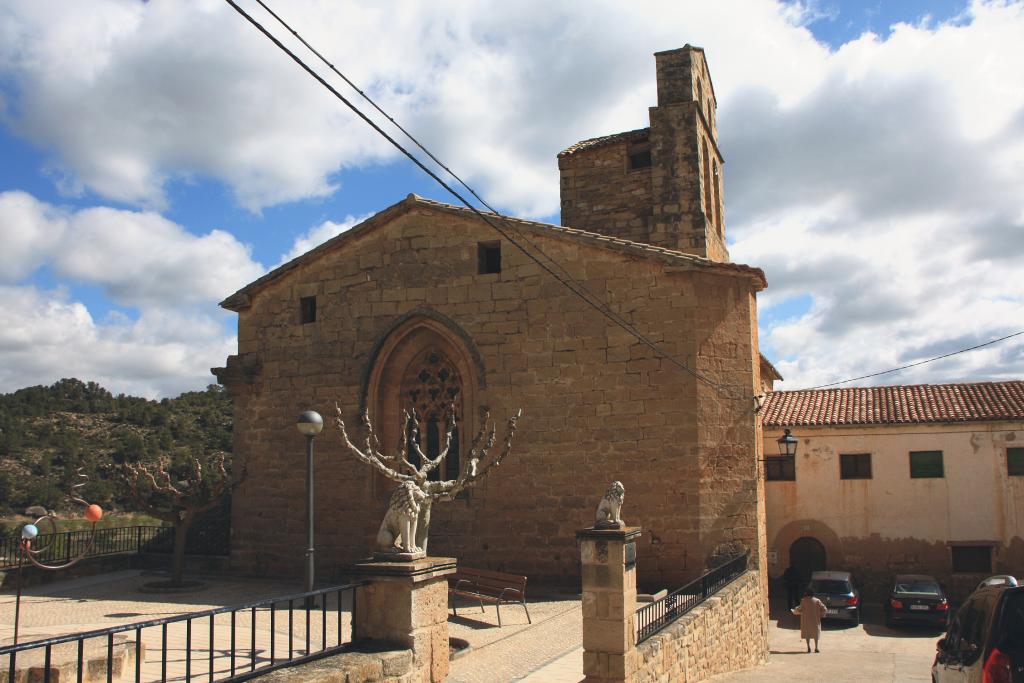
point(791, 578)
point(811, 611)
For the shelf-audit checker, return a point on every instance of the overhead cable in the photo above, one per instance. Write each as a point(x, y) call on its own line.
point(565, 280)
point(912, 365)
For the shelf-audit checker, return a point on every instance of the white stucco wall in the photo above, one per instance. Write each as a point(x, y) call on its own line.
point(892, 521)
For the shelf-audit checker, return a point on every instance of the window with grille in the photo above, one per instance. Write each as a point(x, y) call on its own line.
point(432, 392)
point(926, 465)
point(780, 468)
point(855, 466)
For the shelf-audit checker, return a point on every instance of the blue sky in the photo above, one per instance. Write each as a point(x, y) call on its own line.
point(144, 141)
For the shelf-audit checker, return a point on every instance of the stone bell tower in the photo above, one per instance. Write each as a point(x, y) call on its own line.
point(663, 184)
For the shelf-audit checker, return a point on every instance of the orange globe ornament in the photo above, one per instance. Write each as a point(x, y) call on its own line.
point(93, 513)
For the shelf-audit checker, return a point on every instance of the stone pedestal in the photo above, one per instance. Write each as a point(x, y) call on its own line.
point(405, 604)
point(609, 603)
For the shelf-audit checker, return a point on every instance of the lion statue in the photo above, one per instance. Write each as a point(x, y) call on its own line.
point(400, 522)
point(610, 509)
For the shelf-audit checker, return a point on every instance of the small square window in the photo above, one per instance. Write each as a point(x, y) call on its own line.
point(488, 257)
point(972, 559)
point(1015, 462)
point(307, 309)
point(640, 159)
point(926, 465)
point(855, 466)
point(780, 468)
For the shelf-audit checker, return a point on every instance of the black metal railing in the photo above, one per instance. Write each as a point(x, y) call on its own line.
point(65, 545)
point(652, 618)
point(224, 644)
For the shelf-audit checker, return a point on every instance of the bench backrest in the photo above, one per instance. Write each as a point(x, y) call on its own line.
point(487, 579)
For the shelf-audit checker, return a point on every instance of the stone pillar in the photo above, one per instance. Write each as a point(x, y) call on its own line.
point(405, 604)
point(609, 603)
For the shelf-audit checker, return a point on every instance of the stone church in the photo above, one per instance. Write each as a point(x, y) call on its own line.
point(424, 300)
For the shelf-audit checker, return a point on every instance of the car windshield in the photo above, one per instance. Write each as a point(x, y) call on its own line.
point(922, 587)
point(830, 586)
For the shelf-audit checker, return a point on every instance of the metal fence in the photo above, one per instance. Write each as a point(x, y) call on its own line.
point(652, 618)
point(111, 541)
point(223, 644)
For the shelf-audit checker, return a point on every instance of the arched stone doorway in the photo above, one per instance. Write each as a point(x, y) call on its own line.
point(807, 554)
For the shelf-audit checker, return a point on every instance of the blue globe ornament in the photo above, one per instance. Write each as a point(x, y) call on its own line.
point(29, 531)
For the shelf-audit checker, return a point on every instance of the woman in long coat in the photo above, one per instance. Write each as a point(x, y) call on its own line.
point(811, 611)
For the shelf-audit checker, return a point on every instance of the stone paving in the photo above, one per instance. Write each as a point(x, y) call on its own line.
point(100, 602)
point(869, 652)
point(548, 651)
point(495, 654)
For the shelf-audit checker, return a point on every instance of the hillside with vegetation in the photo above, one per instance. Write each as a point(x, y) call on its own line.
point(47, 433)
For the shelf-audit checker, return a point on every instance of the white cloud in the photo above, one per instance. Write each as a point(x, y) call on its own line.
point(318, 235)
point(880, 179)
point(44, 337)
point(890, 194)
point(131, 96)
point(140, 258)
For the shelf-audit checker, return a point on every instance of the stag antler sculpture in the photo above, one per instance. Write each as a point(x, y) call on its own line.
point(408, 518)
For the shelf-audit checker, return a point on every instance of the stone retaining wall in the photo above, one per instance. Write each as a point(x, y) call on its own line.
point(727, 633)
point(393, 666)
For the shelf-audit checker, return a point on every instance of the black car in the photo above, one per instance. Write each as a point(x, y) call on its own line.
point(836, 590)
point(917, 599)
point(985, 640)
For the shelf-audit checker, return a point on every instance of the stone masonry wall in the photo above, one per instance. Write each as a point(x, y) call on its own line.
point(597, 404)
point(600, 192)
point(678, 201)
point(727, 633)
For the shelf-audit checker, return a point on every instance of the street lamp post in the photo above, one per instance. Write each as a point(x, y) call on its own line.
point(310, 423)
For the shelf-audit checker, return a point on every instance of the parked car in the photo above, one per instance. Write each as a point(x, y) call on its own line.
point(917, 599)
point(985, 640)
point(999, 580)
point(837, 591)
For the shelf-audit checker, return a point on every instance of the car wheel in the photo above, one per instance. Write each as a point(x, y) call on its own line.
point(889, 623)
point(856, 618)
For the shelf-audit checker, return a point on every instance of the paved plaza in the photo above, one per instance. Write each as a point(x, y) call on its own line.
point(546, 651)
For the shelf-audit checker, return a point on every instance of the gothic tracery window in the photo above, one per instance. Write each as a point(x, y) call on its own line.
point(430, 388)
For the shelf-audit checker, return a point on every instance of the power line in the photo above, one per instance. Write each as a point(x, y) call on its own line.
point(912, 365)
point(566, 281)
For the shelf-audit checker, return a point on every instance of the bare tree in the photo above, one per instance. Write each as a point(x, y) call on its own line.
point(180, 502)
point(399, 468)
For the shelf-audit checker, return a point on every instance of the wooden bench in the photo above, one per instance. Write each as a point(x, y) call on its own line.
point(484, 585)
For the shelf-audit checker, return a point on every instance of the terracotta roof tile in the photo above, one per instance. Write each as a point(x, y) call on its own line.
point(592, 143)
point(902, 404)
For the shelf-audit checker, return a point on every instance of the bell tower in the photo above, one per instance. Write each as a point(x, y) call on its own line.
point(663, 184)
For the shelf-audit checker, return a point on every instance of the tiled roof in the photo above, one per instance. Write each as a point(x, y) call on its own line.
point(910, 404)
point(628, 136)
point(678, 259)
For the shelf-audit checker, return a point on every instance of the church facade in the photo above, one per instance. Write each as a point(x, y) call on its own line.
point(425, 306)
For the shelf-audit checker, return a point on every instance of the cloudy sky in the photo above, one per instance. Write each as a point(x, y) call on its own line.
point(157, 156)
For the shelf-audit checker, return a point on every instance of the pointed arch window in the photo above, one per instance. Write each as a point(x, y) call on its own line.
point(430, 388)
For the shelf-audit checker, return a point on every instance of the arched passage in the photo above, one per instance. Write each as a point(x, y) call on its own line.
point(807, 554)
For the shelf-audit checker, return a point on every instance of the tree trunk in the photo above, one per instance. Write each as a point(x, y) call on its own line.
point(178, 559)
point(423, 525)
